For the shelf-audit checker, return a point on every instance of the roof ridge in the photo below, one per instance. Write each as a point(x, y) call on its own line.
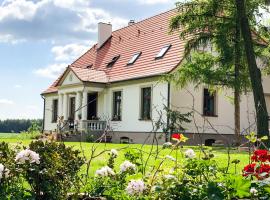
point(145, 19)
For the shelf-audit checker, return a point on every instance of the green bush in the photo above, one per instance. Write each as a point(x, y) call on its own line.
point(11, 182)
point(57, 173)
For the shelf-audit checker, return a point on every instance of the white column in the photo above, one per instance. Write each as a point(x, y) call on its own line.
point(65, 107)
point(60, 105)
point(84, 106)
point(78, 105)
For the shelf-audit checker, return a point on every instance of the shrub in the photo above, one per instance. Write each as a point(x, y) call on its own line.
point(57, 172)
point(11, 183)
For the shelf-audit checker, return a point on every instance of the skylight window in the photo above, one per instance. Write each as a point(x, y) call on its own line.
point(134, 58)
point(114, 59)
point(163, 51)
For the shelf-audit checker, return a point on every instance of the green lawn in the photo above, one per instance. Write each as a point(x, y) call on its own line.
point(220, 153)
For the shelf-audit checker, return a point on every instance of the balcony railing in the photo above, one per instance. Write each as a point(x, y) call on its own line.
point(93, 125)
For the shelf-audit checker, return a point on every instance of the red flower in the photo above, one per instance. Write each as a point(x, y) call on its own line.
point(260, 155)
point(260, 172)
point(176, 136)
point(249, 169)
point(264, 168)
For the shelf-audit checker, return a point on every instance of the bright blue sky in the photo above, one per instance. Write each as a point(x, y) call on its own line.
point(39, 38)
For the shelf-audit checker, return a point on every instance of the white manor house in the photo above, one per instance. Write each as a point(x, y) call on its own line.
point(117, 82)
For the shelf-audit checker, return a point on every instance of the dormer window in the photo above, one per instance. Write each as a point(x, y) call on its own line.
point(114, 59)
point(134, 58)
point(89, 66)
point(163, 51)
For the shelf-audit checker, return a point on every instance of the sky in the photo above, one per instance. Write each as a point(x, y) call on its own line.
point(39, 38)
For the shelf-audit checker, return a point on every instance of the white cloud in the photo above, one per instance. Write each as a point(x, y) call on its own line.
point(69, 52)
point(89, 19)
point(17, 86)
point(52, 20)
point(18, 9)
point(51, 71)
point(6, 102)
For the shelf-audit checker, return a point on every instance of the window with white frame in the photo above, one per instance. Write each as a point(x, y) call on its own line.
point(209, 103)
point(146, 103)
point(54, 110)
point(117, 106)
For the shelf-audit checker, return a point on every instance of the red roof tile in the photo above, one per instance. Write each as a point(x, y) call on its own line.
point(90, 75)
point(148, 37)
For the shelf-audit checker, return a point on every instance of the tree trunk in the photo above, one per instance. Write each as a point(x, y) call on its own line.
point(255, 73)
point(237, 65)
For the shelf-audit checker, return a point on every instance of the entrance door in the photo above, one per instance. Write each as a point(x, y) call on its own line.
point(92, 106)
point(72, 108)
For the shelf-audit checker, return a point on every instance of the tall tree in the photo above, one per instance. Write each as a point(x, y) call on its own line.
point(254, 71)
point(210, 25)
point(215, 23)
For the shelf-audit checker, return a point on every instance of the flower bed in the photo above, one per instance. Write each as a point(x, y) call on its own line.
point(49, 170)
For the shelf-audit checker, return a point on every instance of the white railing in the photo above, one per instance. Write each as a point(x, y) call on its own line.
point(93, 125)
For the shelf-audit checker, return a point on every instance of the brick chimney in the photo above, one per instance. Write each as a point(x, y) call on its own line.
point(104, 32)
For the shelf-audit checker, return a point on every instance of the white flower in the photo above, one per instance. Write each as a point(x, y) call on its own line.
point(114, 152)
point(3, 171)
point(253, 191)
point(167, 145)
point(195, 190)
point(170, 177)
point(7, 171)
point(125, 166)
point(190, 153)
point(220, 184)
point(105, 171)
point(27, 155)
point(170, 158)
point(135, 187)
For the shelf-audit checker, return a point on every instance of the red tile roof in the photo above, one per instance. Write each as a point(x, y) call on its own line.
point(90, 75)
point(148, 37)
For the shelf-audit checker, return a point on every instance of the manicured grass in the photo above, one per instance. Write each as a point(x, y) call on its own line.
point(221, 155)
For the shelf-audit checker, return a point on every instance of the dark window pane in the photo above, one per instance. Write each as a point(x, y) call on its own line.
point(55, 110)
point(208, 103)
point(146, 103)
point(117, 105)
point(72, 108)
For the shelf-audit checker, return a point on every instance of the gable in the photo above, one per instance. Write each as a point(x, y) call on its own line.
point(69, 79)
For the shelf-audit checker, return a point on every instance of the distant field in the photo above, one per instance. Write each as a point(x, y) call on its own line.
point(13, 137)
point(9, 135)
point(220, 153)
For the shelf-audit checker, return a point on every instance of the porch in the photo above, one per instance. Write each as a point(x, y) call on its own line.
point(79, 109)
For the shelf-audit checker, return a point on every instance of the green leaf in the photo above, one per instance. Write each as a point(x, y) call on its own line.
point(264, 138)
point(241, 186)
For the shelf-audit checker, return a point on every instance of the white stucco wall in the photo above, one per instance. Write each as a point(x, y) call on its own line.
point(131, 93)
point(70, 78)
point(224, 122)
point(183, 100)
point(180, 99)
point(48, 125)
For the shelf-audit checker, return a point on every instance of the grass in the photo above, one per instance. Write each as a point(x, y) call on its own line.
point(221, 155)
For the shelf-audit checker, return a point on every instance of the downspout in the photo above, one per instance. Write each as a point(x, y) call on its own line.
point(43, 123)
point(168, 107)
